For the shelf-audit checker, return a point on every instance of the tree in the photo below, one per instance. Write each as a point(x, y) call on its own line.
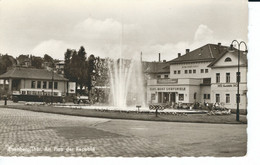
point(36, 62)
point(78, 68)
point(6, 61)
point(91, 71)
point(67, 61)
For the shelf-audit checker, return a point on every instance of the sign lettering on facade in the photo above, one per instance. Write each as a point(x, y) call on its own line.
point(227, 85)
point(168, 89)
point(190, 66)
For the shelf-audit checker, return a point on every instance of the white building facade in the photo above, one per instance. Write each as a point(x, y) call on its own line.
point(207, 74)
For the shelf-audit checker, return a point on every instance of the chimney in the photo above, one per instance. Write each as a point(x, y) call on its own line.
point(179, 54)
point(219, 44)
point(159, 57)
point(187, 50)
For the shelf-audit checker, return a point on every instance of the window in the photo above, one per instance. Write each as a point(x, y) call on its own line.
point(217, 77)
point(227, 77)
point(207, 81)
point(175, 72)
point(195, 96)
point(56, 85)
point(217, 98)
point(206, 71)
point(44, 85)
point(202, 71)
point(181, 97)
point(228, 59)
point(190, 71)
point(33, 84)
point(23, 92)
point(153, 96)
point(158, 76)
point(186, 71)
point(194, 70)
point(50, 85)
point(227, 98)
point(179, 72)
point(166, 76)
point(206, 96)
point(39, 84)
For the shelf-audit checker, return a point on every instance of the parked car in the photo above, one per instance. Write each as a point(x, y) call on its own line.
point(81, 99)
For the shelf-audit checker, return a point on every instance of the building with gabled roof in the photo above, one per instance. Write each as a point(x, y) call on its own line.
point(192, 78)
point(34, 81)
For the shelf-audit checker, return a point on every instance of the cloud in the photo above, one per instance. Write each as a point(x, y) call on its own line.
point(203, 33)
point(54, 48)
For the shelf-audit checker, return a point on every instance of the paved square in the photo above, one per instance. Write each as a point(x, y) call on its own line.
point(26, 133)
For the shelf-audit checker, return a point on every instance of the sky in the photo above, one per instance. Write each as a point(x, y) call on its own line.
point(119, 28)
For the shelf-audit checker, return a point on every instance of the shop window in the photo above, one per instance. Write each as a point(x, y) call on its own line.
point(202, 71)
point(39, 84)
point(227, 98)
point(33, 84)
point(228, 59)
point(194, 70)
point(44, 85)
point(227, 77)
point(181, 97)
point(179, 72)
point(186, 71)
point(217, 98)
point(206, 70)
point(50, 85)
point(217, 77)
point(55, 85)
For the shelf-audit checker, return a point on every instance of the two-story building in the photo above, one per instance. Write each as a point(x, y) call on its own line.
point(193, 77)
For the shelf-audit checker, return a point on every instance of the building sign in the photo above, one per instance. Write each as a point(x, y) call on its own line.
point(227, 85)
point(72, 87)
point(167, 89)
point(190, 66)
point(167, 81)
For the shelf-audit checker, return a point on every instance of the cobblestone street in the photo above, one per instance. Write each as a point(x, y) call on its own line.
point(26, 133)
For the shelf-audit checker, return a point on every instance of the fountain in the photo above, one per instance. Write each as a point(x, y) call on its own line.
point(126, 82)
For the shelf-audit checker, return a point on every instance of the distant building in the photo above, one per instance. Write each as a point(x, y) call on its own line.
point(31, 81)
point(206, 74)
point(59, 66)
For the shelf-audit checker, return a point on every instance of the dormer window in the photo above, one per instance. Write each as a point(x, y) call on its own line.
point(228, 59)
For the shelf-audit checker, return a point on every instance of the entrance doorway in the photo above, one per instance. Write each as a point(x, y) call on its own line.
point(166, 97)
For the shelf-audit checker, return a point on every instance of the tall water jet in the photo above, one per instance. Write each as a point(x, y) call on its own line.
point(126, 82)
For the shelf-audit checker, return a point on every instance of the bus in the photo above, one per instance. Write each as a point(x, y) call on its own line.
point(37, 95)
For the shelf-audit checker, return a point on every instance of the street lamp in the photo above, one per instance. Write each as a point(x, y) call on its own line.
point(238, 73)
